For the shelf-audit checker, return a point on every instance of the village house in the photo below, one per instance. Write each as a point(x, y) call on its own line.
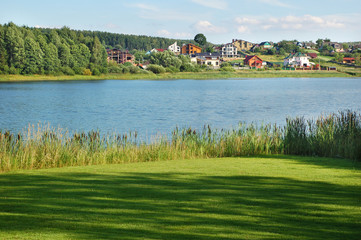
point(337, 46)
point(242, 45)
point(190, 49)
point(174, 48)
point(208, 59)
point(229, 50)
point(266, 45)
point(297, 60)
point(312, 55)
point(253, 61)
point(119, 56)
point(349, 60)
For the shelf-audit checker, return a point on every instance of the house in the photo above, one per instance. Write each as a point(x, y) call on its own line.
point(229, 50)
point(119, 56)
point(242, 45)
point(174, 48)
point(253, 61)
point(155, 50)
point(209, 59)
point(266, 45)
point(312, 55)
point(190, 49)
point(349, 60)
point(337, 46)
point(297, 60)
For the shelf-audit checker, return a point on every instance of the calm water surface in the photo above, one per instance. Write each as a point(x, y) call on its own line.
point(152, 107)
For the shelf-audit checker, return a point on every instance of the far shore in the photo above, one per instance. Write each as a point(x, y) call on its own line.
point(183, 75)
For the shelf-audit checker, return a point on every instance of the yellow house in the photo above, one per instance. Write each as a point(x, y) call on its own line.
point(190, 49)
point(242, 45)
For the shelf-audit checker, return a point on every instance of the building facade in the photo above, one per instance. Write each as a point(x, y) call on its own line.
point(174, 48)
point(253, 61)
point(229, 50)
point(119, 56)
point(242, 45)
point(190, 49)
point(297, 60)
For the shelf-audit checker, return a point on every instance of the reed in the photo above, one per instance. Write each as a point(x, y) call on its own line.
point(336, 135)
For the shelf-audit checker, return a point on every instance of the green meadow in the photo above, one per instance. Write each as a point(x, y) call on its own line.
point(277, 197)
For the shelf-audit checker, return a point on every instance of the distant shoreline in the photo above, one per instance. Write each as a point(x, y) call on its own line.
point(182, 75)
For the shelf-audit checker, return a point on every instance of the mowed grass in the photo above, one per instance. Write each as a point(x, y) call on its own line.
point(279, 197)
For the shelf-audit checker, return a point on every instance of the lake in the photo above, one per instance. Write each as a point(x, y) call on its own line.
point(152, 107)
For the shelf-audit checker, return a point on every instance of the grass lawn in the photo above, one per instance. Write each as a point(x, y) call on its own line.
point(277, 197)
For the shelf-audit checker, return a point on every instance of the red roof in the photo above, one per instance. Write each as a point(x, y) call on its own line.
point(249, 57)
point(160, 50)
point(312, 55)
point(349, 58)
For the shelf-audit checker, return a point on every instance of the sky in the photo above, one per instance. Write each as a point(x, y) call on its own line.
point(219, 20)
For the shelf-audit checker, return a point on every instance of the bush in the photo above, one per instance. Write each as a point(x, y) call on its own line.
point(96, 72)
point(156, 69)
point(225, 64)
point(115, 69)
point(172, 69)
point(187, 67)
point(68, 71)
point(13, 70)
point(227, 69)
point(134, 69)
point(78, 70)
point(87, 72)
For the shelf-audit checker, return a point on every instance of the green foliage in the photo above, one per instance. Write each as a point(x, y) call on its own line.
point(227, 69)
point(34, 56)
point(165, 59)
point(87, 72)
point(200, 39)
point(156, 68)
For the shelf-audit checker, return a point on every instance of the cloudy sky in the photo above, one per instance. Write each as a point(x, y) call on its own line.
point(220, 20)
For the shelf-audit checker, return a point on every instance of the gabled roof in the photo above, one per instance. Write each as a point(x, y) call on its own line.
point(160, 50)
point(249, 57)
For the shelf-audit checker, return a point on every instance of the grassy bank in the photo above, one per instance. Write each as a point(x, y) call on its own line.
point(182, 75)
point(229, 198)
point(337, 135)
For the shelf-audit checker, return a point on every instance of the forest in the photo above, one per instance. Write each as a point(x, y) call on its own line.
point(25, 50)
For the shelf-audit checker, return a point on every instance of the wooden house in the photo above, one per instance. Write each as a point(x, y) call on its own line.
point(190, 49)
point(253, 61)
point(119, 56)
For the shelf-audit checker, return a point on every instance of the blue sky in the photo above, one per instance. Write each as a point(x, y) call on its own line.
point(219, 20)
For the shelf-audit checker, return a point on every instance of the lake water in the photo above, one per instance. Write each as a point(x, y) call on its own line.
point(152, 107)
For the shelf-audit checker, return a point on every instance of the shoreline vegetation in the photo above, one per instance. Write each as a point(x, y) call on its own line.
point(336, 135)
point(182, 75)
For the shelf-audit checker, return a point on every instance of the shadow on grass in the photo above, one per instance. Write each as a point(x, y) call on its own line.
point(177, 206)
point(333, 163)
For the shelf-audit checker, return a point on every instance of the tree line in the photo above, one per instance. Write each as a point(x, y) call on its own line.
point(25, 50)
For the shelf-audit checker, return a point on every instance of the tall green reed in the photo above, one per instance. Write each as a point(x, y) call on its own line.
point(335, 135)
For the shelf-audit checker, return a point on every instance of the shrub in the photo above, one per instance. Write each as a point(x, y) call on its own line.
point(187, 67)
point(68, 71)
point(225, 64)
point(115, 69)
point(87, 72)
point(96, 72)
point(156, 69)
point(172, 69)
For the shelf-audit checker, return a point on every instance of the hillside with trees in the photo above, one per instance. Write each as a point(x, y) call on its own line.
point(25, 50)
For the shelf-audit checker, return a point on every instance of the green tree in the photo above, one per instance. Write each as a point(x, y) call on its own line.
point(51, 60)
point(64, 54)
point(98, 53)
point(34, 56)
point(200, 39)
point(3, 52)
point(14, 46)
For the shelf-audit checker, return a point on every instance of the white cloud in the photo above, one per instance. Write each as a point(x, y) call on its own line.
point(242, 29)
point(217, 4)
point(290, 22)
point(207, 27)
point(163, 33)
point(145, 7)
point(166, 33)
point(277, 3)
